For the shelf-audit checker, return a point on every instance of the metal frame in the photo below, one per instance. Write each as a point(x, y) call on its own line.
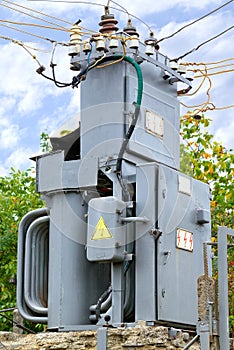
point(223, 232)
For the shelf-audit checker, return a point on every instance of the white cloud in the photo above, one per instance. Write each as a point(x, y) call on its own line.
point(10, 136)
point(147, 7)
point(31, 104)
point(19, 159)
point(3, 171)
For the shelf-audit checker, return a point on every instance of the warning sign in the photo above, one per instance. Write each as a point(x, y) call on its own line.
point(184, 240)
point(101, 231)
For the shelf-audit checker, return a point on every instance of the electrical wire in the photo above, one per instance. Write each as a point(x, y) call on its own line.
point(33, 25)
point(202, 44)
point(120, 8)
point(30, 15)
point(207, 63)
point(217, 73)
point(39, 12)
point(34, 35)
point(15, 41)
point(25, 47)
point(41, 68)
point(17, 324)
point(221, 66)
point(43, 14)
point(111, 63)
point(89, 55)
point(98, 61)
point(195, 21)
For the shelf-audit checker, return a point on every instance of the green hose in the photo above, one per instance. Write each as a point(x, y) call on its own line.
point(137, 109)
point(139, 76)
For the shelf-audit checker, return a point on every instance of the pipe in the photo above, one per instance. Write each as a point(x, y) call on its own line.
point(191, 342)
point(135, 219)
point(38, 227)
point(23, 227)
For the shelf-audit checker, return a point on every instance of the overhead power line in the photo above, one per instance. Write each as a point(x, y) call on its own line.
point(35, 11)
point(195, 21)
point(202, 44)
point(120, 8)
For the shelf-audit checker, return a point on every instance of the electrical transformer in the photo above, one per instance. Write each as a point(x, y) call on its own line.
point(122, 236)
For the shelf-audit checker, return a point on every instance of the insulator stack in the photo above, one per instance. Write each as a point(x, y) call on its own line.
point(100, 42)
point(75, 40)
point(108, 24)
point(134, 35)
point(151, 45)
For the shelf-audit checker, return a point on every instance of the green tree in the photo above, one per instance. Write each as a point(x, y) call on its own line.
point(17, 197)
point(208, 160)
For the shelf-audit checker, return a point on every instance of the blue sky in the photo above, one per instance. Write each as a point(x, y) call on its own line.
point(30, 104)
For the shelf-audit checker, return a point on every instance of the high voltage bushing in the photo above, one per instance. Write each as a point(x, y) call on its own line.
point(75, 40)
point(133, 35)
point(108, 24)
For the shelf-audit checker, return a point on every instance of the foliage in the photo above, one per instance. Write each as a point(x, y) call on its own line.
point(45, 144)
point(208, 160)
point(17, 197)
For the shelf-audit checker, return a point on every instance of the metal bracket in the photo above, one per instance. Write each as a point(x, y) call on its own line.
point(102, 338)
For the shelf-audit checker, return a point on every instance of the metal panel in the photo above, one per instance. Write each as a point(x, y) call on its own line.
point(180, 268)
point(70, 291)
point(223, 286)
point(106, 234)
point(161, 99)
point(102, 112)
point(54, 174)
point(146, 194)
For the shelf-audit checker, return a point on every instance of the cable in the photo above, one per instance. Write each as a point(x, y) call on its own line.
point(14, 41)
point(121, 9)
point(31, 34)
point(33, 25)
point(136, 114)
point(197, 20)
point(20, 43)
point(39, 12)
point(111, 63)
point(43, 14)
point(203, 43)
point(217, 73)
point(41, 69)
point(89, 55)
point(17, 324)
point(10, 309)
point(30, 15)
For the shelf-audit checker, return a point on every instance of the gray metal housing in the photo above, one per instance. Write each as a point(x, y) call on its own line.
point(142, 260)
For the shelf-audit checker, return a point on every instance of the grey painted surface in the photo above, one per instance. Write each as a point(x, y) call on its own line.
point(152, 279)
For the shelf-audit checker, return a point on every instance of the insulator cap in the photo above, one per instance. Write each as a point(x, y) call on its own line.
point(152, 42)
point(130, 29)
point(108, 24)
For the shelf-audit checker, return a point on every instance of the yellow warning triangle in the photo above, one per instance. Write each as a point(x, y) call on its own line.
point(101, 230)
